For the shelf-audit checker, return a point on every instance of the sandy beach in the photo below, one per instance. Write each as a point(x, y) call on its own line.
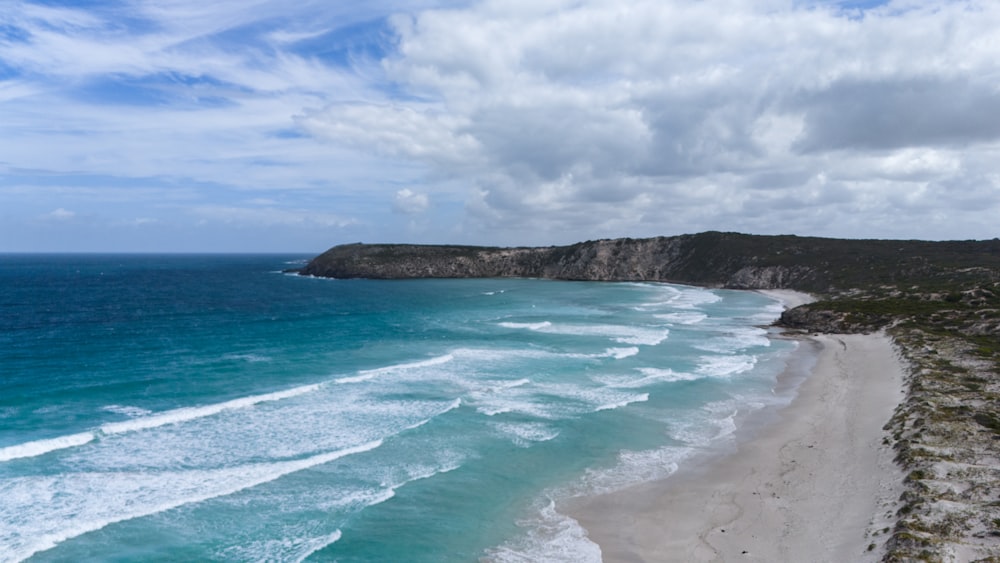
point(815, 484)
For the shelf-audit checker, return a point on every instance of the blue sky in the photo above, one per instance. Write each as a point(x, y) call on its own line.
point(261, 125)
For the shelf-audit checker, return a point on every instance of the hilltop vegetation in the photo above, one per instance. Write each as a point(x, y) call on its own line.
point(733, 260)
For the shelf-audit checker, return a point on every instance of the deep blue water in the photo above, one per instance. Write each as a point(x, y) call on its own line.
point(214, 408)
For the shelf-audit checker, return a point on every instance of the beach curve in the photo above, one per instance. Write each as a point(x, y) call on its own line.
point(818, 483)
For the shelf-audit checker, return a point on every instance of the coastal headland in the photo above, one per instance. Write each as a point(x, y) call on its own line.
point(731, 260)
point(888, 451)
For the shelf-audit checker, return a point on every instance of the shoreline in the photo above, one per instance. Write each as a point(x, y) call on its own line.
point(788, 297)
point(810, 481)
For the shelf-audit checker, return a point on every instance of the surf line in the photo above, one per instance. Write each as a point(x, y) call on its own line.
point(184, 414)
point(217, 486)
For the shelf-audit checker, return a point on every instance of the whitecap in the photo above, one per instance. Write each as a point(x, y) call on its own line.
point(621, 353)
point(525, 433)
point(651, 376)
point(694, 298)
point(625, 334)
point(665, 374)
point(578, 399)
point(497, 406)
point(127, 410)
point(494, 355)
point(78, 503)
point(685, 318)
point(451, 406)
point(552, 537)
point(735, 340)
point(713, 422)
point(530, 326)
point(495, 387)
point(297, 548)
point(640, 398)
point(145, 422)
point(631, 468)
point(185, 414)
point(249, 358)
point(724, 366)
point(41, 447)
point(368, 374)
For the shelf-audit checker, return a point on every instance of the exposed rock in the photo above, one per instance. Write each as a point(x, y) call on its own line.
point(817, 320)
point(714, 259)
point(770, 277)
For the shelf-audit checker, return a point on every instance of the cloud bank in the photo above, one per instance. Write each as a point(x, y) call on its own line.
point(500, 122)
point(603, 118)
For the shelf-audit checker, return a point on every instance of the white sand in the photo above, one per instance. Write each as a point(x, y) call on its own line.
point(809, 487)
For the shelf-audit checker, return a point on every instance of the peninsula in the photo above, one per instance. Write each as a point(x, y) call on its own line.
point(938, 302)
point(729, 260)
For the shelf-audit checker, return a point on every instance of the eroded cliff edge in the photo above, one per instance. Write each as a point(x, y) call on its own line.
point(729, 260)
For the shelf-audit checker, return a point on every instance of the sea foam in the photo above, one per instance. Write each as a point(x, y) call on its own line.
point(297, 548)
point(369, 374)
point(185, 414)
point(41, 447)
point(525, 433)
point(724, 366)
point(83, 502)
point(174, 416)
point(550, 536)
point(624, 334)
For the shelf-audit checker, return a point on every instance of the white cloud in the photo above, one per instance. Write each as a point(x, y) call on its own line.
point(61, 214)
point(140, 222)
point(409, 202)
point(180, 97)
point(412, 132)
point(549, 121)
point(603, 118)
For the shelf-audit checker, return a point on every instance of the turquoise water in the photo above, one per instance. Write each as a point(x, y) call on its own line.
point(214, 408)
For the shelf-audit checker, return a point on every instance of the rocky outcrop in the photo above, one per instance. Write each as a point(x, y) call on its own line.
point(658, 259)
point(811, 319)
point(769, 277)
point(730, 260)
point(605, 260)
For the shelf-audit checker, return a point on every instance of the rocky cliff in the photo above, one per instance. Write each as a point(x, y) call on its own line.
point(714, 259)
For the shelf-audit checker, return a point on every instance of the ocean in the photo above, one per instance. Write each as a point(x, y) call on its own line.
point(214, 408)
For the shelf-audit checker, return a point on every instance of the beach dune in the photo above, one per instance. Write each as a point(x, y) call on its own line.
point(814, 484)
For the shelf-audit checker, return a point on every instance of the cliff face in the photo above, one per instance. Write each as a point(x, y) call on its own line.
point(715, 259)
point(679, 259)
point(402, 261)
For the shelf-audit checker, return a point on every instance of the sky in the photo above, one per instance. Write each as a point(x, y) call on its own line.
point(276, 126)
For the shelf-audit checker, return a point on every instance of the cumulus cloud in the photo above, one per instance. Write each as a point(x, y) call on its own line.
point(394, 130)
point(531, 122)
point(900, 113)
point(647, 116)
point(409, 202)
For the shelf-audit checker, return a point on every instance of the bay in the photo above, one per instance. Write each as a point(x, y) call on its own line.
point(215, 408)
